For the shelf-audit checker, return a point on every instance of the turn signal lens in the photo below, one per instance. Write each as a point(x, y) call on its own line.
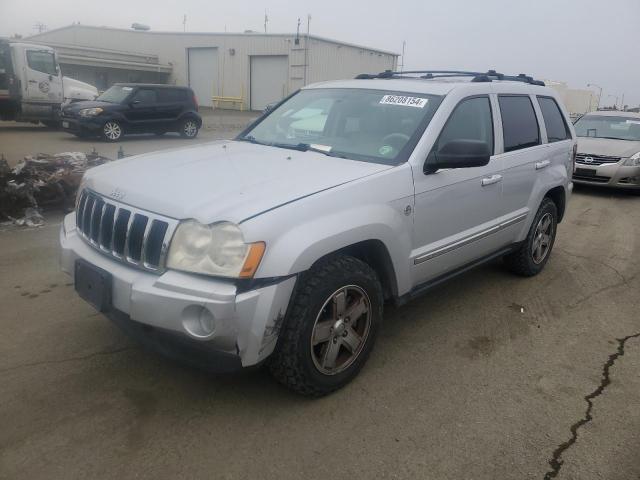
point(256, 251)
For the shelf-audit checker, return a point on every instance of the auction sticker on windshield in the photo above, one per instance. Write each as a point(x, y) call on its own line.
point(404, 101)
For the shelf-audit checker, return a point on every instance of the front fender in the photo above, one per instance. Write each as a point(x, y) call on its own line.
point(301, 233)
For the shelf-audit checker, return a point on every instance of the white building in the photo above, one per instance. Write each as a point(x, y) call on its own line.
point(576, 101)
point(248, 70)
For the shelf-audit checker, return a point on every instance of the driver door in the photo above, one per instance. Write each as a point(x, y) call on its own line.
point(43, 76)
point(457, 210)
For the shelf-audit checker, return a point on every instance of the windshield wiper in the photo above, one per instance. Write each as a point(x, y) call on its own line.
point(300, 147)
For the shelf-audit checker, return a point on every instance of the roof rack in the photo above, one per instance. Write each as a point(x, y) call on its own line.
point(487, 76)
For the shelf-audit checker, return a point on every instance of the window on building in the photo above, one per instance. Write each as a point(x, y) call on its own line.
point(557, 129)
point(519, 123)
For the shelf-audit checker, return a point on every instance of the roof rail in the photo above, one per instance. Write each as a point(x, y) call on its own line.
point(488, 76)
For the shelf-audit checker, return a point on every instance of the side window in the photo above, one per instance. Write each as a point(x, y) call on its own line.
point(470, 120)
point(42, 61)
point(519, 123)
point(554, 121)
point(172, 95)
point(145, 96)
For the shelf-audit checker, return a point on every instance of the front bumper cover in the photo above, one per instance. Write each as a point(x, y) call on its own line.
point(610, 175)
point(246, 323)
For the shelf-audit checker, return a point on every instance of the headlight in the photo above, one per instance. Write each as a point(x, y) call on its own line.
point(633, 161)
point(217, 249)
point(90, 112)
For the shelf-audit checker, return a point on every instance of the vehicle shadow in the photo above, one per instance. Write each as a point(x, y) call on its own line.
point(603, 192)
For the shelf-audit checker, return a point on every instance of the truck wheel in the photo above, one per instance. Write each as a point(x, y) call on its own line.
point(112, 131)
point(189, 128)
point(330, 327)
point(530, 258)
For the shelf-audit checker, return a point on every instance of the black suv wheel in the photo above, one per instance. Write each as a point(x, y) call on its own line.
point(189, 128)
point(112, 131)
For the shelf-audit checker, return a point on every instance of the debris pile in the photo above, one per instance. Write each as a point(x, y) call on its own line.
point(42, 180)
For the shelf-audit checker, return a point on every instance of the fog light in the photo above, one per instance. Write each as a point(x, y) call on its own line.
point(198, 322)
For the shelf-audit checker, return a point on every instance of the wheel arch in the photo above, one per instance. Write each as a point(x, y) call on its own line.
point(559, 197)
point(374, 253)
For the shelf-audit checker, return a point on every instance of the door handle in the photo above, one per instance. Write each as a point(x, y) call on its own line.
point(32, 81)
point(491, 180)
point(542, 164)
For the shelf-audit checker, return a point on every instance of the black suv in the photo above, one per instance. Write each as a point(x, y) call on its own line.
point(135, 108)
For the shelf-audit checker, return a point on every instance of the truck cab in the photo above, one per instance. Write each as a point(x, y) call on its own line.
point(31, 85)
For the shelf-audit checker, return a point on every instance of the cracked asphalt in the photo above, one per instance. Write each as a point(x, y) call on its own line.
point(483, 378)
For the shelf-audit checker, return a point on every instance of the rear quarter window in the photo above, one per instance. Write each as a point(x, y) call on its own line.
point(554, 121)
point(519, 123)
point(172, 95)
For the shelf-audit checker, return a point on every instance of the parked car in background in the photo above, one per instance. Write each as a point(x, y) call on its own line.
point(608, 149)
point(271, 248)
point(135, 108)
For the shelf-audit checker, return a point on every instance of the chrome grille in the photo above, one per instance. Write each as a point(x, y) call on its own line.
point(588, 159)
point(133, 236)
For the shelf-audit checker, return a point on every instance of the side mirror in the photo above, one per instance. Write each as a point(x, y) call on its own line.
point(458, 154)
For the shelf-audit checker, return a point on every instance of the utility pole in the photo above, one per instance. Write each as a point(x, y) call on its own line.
point(184, 23)
point(266, 20)
point(404, 44)
point(40, 27)
point(306, 49)
point(599, 94)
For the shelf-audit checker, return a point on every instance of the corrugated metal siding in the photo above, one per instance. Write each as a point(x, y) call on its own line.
point(326, 60)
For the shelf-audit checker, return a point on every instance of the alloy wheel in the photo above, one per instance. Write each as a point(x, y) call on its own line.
point(340, 330)
point(542, 238)
point(112, 130)
point(190, 128)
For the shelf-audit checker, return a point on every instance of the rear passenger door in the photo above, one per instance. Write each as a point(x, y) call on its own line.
point(142, 113)
point(170, 104)
point(522, 153)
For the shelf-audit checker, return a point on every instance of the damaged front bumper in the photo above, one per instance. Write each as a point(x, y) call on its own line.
point(240, 326)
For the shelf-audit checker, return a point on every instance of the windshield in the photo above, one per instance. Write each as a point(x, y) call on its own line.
point(369, 125)
point(618, 128)
point(115, 94)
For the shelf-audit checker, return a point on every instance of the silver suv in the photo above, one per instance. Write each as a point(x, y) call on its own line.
point(282, 245)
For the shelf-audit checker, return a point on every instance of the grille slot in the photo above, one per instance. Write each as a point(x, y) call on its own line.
point(130, 235)
point(595, 159)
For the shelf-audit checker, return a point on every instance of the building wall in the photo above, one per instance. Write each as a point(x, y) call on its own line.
point(326, 60)
point(576, 101)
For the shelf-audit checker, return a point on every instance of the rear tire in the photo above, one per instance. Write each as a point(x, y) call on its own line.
point(330, 328)
point(189, 128)
point(532, 255)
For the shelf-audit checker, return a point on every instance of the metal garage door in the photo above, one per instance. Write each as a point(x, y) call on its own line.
point(269, 79)
point(203, 74)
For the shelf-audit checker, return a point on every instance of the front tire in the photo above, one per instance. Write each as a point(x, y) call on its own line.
point(531, 257)
point(330, 328)
point(112, 131)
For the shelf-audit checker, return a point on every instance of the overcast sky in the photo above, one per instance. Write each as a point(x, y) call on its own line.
point(576, 41)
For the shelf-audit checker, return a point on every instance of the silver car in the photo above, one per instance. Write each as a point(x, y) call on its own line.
point(608, 150)
point(282, 245)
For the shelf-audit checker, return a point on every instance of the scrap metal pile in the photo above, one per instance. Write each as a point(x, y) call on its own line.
point(40, 181)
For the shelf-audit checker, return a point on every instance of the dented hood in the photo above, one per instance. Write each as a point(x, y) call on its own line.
point(226, 180)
